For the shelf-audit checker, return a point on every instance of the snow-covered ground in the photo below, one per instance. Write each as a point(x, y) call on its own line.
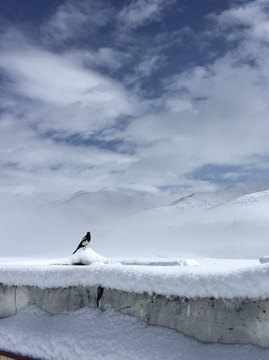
point(200, 245)
point(92, 334)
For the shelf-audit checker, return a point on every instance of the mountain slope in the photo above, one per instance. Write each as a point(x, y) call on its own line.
point(133, 225)
point(261, 197)
point(107, 204)
point(207, 201)
point(235, 227)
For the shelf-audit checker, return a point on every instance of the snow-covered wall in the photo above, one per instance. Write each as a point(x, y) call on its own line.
point(185, 281)
point(53, 300)
point(236, 320)
point(225, 303)
point(206, 319)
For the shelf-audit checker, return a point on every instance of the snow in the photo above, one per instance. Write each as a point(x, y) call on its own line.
point(264, 259)
point(207, 201)
point(93, 334)
point(85, 257)
point(110, 202)
point(88, 256)
point(204, 245)
point(232, 223)
point(227, 279)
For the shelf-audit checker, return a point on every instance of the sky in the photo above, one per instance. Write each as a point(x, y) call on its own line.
point(155, 97)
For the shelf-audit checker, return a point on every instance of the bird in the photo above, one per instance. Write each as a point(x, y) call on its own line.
point(84, 242)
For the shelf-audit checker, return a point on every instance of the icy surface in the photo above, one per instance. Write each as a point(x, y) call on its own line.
point(93, 334)
point(225, 279)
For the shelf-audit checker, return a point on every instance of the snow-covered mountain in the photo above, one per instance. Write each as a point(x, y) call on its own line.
point(110, 204)
point(227, 196)
point(232, 223)
point(107, 204)
point(256, 198)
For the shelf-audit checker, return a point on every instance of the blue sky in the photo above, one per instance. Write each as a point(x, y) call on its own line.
point(145, 96)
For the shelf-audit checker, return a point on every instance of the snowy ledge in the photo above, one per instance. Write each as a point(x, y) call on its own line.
point(211, 304)
point(184, 281)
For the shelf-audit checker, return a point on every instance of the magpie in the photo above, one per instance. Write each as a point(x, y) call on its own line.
point(84, 242)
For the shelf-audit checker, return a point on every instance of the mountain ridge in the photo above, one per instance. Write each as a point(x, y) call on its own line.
point(211, 200)
point(108, 203)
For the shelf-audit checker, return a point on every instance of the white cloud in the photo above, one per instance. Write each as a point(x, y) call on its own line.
point(246, 21)
point(140, 12)
point(50, 78)
point(212, 114)
point(105, 57)
point(74, 18)
point(31, 165)
point(148, 64)
point(71, 96)
point(216, 114)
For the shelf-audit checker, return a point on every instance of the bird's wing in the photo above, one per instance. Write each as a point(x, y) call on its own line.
point(84, 238)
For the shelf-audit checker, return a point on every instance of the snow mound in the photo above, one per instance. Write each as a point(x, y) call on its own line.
point(85, 257)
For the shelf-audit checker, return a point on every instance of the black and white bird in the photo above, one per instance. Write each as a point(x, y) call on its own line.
point(84, 242)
